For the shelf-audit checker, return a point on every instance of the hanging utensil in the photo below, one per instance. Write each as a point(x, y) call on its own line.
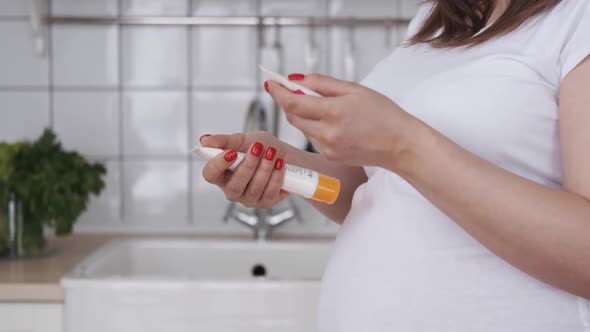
point(279, 52)
point(389, 44)
point(350, 70)
point(312, 50)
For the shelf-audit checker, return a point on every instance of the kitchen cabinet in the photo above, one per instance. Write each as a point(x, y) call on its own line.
point(31, 317)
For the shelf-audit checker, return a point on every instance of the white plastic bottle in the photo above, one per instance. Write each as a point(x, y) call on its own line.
point(293, 86)
point(298, 180)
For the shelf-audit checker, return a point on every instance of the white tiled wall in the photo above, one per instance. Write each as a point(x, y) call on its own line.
point(96, 118)
point(138, 97)
point(84, 56)
point(12, 8)
point(85, 7)
point(18, 65)
point(23, 114)
point(155, 124)
point(155, 57)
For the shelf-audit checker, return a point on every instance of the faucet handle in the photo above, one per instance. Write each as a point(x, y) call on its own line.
point(229, 212)
point(281, 217)
point(296, 210)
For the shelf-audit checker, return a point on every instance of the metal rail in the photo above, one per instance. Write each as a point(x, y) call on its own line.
point(227, 21)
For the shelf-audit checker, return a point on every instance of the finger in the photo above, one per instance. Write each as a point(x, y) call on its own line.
point(325, 85)
point(308, 107)
point(215, 168)
point(261, 177)
point(309, 128)
point(237, 183)
point(226, 142)
point(273, 193)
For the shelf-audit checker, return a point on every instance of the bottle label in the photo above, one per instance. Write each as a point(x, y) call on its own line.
point(301, 171)
point(300, 180)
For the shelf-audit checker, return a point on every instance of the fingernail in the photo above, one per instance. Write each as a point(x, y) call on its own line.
point(299, 92)
point(296, 77)
point(257, 149)
point(270, 153)
point(230, 156)
point(206, 135)
point(279, 164)
point(266, 87)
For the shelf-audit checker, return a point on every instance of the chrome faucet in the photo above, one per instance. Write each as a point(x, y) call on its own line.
point(261, 221)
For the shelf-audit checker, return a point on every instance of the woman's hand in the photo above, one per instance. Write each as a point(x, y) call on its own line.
point(351, 124)
point(257, 181)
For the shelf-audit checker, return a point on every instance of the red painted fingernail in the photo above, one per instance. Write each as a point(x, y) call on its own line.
point(257, 149)
point(279, 164)
point(270, 153)
point(299, 92)
point(266, 86)
point(296, 77)
point(206, 135)
point(230, 156)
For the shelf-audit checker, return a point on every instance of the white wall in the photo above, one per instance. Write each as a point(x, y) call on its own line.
point(138, 97)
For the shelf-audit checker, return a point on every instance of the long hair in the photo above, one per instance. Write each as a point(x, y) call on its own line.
point(455, 23)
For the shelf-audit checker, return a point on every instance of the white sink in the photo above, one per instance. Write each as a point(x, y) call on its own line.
point(188, 285)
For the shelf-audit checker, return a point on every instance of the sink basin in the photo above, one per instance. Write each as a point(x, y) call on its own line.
point(188, 285)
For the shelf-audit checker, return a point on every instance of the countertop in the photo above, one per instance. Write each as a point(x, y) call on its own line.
point(37, 280)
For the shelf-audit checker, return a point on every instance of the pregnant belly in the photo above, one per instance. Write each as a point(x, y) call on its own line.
point(401, 265)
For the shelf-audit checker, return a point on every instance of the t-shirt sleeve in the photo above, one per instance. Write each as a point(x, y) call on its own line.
point(577, 44)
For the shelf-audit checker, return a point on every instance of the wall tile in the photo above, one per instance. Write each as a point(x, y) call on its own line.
point(409, 8)
point(304, 50)
point(155, 56)
point(375, 45)
point(85, 55)
point(294, 8)
point(155, 7)
point(105, 209)
point(19, 66)
point(88, 122)
point(13, 8)
point(23, 115)
point(224, 7)
point(85, 7)
point(229, 63)
point(370, 45)
point(373, 8)
point(219, 112)
point(156, 193)
point(155, 123)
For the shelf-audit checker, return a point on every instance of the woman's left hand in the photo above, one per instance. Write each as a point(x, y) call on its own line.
point(350, 124)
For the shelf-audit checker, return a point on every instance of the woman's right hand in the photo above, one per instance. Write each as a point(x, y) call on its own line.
point(257, 181)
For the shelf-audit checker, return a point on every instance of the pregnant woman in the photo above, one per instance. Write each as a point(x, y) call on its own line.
point(465, 165)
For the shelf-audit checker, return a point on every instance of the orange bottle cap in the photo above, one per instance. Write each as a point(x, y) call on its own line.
point(327, 190)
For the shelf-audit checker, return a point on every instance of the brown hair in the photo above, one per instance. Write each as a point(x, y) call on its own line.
point(460, 20)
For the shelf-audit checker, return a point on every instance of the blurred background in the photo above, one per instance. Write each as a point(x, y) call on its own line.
point(138, 97)
point(132, 85)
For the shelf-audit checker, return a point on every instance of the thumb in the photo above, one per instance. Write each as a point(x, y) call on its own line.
point(325, 85)
point(225, 142)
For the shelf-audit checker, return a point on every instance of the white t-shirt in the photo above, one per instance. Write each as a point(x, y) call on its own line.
point(402, 265)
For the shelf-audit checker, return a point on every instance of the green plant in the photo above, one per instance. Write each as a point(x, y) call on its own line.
point(52, 185)
point(7, 154)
